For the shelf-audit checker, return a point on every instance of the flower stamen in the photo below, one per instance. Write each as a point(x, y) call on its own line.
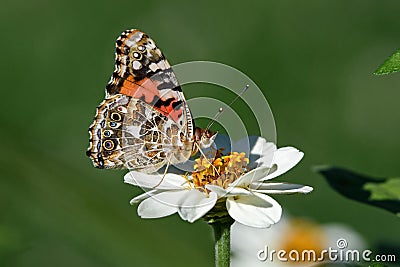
point(222, 171)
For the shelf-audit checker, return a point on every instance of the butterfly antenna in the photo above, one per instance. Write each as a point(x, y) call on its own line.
point(221, 110)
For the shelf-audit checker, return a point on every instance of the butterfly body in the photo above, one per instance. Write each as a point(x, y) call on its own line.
point(144, 121)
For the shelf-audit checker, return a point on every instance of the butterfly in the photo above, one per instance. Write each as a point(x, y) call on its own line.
point(144, 121)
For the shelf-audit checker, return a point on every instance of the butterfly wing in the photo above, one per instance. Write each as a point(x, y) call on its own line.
point(141, 71)
point(129, 133)
point(144, 120)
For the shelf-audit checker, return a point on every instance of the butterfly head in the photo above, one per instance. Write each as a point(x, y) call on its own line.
point(204, 139)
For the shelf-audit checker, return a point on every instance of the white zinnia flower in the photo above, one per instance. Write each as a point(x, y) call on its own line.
point(249, 245)
point(240, 182)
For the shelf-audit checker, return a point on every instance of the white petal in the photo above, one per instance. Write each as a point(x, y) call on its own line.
point(238, 191)
point(261, 162)
point(285, 158)
point(230, 191)
point(196, 204)
point(263, 148)
point(247, 241)
point(281, 188)
point(256, 148)
point(255, 239)
point(258, 210)
point(160, 205)
point(221, 192)
point(253, 175)
point(169, 182)
point(144, 196)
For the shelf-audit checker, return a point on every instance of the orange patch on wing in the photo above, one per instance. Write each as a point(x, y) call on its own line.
point(175, 114)
point(138, 89)
point(148, 89)
point(170, 111)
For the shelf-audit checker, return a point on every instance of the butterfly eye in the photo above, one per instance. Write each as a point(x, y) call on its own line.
point(115, 116)
point(137, 55)
point(106, 133)
point(108, 145)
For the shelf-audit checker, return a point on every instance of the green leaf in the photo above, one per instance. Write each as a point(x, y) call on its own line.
point(392, 64)
point(382, 193)
point(390, 189)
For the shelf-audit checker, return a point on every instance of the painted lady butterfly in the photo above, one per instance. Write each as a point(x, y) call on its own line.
point(144, 121)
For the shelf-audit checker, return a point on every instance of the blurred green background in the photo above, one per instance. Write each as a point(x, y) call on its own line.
point(312, 59)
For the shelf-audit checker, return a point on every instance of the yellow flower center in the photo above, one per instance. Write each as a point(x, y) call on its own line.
point(301, 236)
point(221, 171)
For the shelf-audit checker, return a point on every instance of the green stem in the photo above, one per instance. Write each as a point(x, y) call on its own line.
point(222, 235)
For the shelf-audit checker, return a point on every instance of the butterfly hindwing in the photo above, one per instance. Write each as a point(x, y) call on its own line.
point(129, 133)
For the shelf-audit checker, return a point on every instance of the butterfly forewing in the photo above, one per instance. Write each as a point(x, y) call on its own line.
point(144, 121)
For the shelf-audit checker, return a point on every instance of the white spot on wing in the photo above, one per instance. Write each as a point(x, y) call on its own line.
point(136, 65)
point(151, 44)
point(153, 67)
point(162, 64)
point(134, 38)
point(123, 69)
point(134, 130)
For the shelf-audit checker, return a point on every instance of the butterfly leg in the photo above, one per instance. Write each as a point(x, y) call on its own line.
point(165, 173)
point(207, 158)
